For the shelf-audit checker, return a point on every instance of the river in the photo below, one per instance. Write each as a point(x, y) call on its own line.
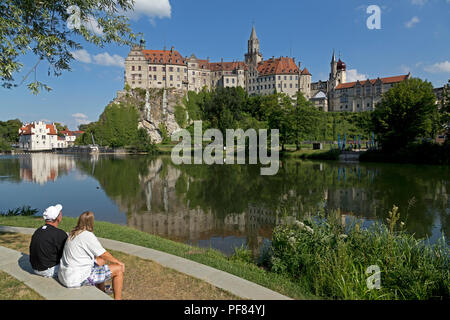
point(225, 206)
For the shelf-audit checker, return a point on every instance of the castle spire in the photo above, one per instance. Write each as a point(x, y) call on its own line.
point(253, 35)
point(333, 58)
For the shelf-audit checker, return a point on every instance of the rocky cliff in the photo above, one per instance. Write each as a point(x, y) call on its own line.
point(156, 109)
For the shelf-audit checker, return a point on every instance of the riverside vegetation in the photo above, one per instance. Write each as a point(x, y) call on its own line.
point(405, 122)
point(318, 257)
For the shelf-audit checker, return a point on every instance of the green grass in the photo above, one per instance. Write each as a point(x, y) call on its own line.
point(13, 289)
point(331, 261)
point(213, 258)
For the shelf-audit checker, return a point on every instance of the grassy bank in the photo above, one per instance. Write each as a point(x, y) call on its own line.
point(235, 265)
point(306, 153)
point(318, 257)
point(336, 261)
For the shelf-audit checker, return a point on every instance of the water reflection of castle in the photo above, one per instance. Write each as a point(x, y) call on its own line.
point(43, 167)
point(168, 215)
point(164, 212)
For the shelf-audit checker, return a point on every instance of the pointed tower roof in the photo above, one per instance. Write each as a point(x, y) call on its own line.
point(253, 35)
point(333, 59)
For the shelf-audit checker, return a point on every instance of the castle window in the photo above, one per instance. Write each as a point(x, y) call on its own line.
point(132, 68)
point(139, 68)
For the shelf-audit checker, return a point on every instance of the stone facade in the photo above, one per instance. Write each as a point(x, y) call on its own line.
point(336, 94)
point(160, 69)
point(163, 69)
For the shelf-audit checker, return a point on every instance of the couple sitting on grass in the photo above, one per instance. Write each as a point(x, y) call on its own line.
point(77, 259)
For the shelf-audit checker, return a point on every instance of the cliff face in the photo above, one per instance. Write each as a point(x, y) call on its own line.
point(156, 109)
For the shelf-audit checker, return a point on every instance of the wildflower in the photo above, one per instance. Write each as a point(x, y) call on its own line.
point(343, 236)
point(299, 224)
point(309, 229)
point(292, 241)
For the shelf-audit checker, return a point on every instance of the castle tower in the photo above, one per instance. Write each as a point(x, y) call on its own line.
point(338, 72)
point(253, 55)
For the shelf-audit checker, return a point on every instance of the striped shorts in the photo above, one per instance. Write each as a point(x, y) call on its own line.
point(99, 274)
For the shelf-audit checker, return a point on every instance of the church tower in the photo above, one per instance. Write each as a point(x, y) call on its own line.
point(253, 55)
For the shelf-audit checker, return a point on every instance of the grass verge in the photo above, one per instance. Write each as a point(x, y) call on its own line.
point(209, 257)
point(160, 283)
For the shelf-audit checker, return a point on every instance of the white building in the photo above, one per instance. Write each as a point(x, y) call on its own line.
point(38, 136)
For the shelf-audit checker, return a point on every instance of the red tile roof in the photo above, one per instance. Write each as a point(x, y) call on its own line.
point(71, 133)
point(52, 130)
point(228, 66)
point(164, 57)
point(26, 130)
point(203, 64)
point(387, 80)
point(283, 65)
point(306, 72)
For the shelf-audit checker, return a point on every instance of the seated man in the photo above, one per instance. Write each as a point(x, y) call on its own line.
point(47, 244)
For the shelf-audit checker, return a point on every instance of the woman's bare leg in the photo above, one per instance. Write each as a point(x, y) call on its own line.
point(117, 280)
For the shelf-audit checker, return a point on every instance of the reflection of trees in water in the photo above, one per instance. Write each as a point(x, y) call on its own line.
point(195, 202)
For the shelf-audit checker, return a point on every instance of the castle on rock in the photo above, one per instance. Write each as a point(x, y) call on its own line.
point(166, 69)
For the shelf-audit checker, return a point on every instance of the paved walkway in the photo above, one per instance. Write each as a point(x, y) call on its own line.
point(235, 285)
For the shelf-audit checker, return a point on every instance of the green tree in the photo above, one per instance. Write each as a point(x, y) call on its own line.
point(404, 114)
point(307, 121)
point(444, 111)
point(41, 28)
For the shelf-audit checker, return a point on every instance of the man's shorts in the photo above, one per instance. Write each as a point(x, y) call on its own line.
point(49, 273)
point(99, 274)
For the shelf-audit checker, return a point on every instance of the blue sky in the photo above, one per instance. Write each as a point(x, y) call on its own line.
point(414, 37)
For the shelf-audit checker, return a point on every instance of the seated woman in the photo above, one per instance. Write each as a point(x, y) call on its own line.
point(84, 260)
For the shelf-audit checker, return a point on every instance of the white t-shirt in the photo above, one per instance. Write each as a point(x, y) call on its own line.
point(78, 259)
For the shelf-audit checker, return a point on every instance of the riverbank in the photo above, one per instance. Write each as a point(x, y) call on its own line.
point(161, 283)
point(236, 265)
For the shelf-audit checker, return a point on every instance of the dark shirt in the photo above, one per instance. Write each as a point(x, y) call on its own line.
point(46, 247)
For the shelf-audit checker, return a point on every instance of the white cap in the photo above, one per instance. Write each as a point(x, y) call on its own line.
point(51, 213)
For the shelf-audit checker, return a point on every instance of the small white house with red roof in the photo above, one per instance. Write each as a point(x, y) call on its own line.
point(38, 136)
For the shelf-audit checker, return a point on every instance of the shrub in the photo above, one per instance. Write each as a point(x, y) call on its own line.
point(21, 211)
point(331, 260)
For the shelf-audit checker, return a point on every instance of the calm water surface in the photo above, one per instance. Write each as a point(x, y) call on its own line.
point(224, 206)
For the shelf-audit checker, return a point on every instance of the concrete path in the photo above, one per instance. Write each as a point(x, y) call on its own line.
point(220, 279)
point(18, 265)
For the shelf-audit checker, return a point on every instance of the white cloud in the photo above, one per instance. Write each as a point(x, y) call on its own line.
point(104, 59)
point(439, 67)
point(82, 56)
point(414, 20)
point(79, 115)
point(80, 118)
point(353, 76)
point(150, 8)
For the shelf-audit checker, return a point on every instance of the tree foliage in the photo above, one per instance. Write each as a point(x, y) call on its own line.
point(117, 127)
point(405, 114)
point(9, 133)
point(296, 119)
point(40, 28)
